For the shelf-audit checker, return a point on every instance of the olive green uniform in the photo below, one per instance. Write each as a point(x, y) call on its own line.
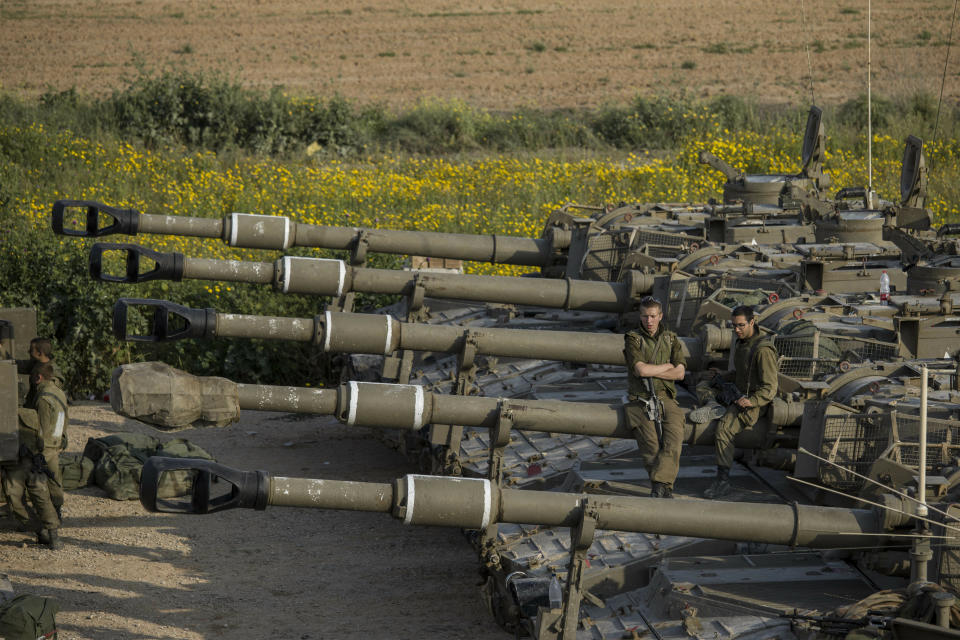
point(51, 406)
point(662, 463)
point(21, 480)
point(755, 374)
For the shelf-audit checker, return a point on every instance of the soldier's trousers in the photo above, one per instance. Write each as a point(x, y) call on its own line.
point(731, 423)
point(55, 488)
point(19, 481)
point(662, 463)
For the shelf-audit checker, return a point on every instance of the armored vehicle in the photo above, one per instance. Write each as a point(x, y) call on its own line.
point(18, 326)
point(497, 401)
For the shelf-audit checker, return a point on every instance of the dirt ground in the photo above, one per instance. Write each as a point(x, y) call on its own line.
point(493, 54)
point(281, 573)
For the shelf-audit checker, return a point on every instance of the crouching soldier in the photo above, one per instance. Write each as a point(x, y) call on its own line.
point(746, 390)
point(654, 359)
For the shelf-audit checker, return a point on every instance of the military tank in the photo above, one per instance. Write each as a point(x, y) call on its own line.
point(618, 573)
point(577, 241)
point(610, 589)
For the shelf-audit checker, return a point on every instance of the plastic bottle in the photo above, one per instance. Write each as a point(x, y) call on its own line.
point(555, 593)
point(884, 287)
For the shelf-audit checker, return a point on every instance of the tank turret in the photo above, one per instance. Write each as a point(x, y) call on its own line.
point(775, 189)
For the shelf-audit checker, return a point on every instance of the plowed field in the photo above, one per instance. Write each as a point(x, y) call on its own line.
point(495, 54)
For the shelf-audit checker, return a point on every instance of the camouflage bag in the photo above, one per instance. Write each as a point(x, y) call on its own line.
point(76, 470)
point(118, 471)
point(29, 617)
point(178, 483)
point(119, 460)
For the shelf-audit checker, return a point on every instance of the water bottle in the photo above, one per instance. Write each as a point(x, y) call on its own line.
point(884, 287)
point(555, 594)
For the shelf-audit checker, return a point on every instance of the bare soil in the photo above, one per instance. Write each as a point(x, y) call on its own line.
point(492, 54)
point(281, 573)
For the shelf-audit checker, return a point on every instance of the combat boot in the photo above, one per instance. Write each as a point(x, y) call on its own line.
point(721, 486)
point(43, 538)
point(707, 412)
point(661, 490)
point(55, 542)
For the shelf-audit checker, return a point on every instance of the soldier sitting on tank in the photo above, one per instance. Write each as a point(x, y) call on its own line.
point(745, 390)
point(40, 439)
point(655, 360)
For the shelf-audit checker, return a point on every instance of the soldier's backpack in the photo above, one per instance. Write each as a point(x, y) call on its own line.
point(29, 617)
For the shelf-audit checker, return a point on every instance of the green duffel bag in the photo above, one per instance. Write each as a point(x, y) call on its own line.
point(76, 470)
point(178, 483)
point(29, 617)
point(118, 471)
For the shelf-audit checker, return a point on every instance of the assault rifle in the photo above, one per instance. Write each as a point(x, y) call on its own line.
point(39, 463)
point(654, 409)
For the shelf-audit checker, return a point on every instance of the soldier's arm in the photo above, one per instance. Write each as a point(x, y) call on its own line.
point(766, 391)
point(666, 371)
point(631, 351)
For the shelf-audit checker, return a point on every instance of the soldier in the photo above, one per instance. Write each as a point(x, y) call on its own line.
point(41, 352)
point(655, 360)
point(29, 475)
point(754, 375)
point(51, 406)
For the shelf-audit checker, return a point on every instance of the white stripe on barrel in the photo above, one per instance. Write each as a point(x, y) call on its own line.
point(286, 262)
point(327, 330)
point(234, 228)
point(417, 406)
point(410, 498)
point(386, 346)
point(354, 392)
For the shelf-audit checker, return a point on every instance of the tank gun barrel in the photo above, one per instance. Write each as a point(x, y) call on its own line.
point(155, 392)
point(280, 232)
point(476, 503)
point(337, 332)
point(327, 277)
point(159, 394)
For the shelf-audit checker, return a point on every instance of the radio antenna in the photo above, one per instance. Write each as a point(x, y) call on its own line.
point(943, 79)
point(869, 201)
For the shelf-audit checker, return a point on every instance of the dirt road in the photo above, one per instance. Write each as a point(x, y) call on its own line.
point(280, 573)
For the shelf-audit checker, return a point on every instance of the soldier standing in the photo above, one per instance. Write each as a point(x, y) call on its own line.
point(755, 375)
point(29, 476)
point(41, 353)
point(654, 359)
point(51, 406)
